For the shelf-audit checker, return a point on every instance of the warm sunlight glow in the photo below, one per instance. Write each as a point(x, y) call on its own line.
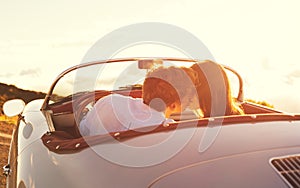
point(260, 39)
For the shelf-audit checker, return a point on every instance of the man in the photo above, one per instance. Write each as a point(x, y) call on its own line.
point(166, 90)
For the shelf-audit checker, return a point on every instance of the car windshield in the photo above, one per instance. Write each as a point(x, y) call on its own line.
point(110, 75)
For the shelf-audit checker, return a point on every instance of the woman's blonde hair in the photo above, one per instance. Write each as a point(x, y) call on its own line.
point(214, 92)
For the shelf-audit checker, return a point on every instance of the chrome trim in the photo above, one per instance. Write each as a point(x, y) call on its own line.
point(240, 96)
point(48, 116)
point(286, 168)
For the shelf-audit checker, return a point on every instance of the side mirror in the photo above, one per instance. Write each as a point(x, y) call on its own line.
point(13, 107)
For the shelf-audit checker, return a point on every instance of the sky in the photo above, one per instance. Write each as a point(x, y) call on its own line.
point(258, 38)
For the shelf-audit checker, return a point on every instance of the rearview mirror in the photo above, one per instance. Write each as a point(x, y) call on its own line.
point(13, 107)
point(149, 63)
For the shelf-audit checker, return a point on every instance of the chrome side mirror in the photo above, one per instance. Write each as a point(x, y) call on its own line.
point(13, 107)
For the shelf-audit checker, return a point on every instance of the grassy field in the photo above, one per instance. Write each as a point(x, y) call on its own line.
point(6, 127)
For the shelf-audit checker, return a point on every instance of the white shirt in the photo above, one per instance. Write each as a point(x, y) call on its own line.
point(116, 112)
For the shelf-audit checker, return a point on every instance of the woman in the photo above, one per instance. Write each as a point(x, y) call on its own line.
point(164, 92)
point(213, 91)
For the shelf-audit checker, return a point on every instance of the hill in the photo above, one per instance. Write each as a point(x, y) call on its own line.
point(8, 92)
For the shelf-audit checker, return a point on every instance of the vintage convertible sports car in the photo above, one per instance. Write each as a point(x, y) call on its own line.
point(258, 149)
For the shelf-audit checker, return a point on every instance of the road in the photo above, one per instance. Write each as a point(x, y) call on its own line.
point(5, 135)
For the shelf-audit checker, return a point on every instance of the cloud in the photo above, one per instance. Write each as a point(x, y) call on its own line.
point(71, 44)
point(30, 72)
point(295, 74)
point(265, 64)
point(7, 75)
point(292, 77)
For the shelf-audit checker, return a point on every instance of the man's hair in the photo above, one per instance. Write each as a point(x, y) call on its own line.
point(166, 85)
